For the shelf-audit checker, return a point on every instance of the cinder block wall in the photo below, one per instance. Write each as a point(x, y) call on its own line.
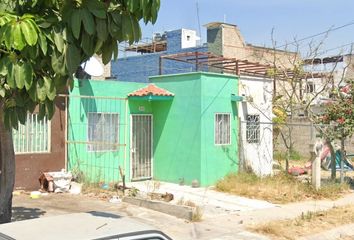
point(139, 68)
point(227, 40)
point(303, 134)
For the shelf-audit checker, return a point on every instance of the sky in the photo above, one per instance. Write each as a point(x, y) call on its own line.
point(256, 18)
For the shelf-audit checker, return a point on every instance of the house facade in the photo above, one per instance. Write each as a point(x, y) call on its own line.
point(39, 147)
point(179, 128)
point(255, 111)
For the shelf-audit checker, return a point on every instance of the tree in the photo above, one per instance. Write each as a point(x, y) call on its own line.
point(292, 72)
point(338, 119)
point(42, 44)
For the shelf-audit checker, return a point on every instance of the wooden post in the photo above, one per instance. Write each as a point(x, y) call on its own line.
point(123, 178)
point(237, 69)
point(196, 62)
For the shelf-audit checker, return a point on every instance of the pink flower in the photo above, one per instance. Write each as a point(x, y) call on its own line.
point(341, 120)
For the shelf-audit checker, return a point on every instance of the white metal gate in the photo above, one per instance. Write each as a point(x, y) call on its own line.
point(141, 146)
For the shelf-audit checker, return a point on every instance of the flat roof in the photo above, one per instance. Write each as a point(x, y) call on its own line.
point(217, 24)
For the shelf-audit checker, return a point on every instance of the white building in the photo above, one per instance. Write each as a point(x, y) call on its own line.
point(256, 129)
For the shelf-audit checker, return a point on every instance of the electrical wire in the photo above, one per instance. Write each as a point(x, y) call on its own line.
point(335, 48)
point(317, 34)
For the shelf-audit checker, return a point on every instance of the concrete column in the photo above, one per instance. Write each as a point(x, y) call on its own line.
point(316, 165)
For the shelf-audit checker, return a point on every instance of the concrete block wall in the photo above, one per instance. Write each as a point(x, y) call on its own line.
point(214, 39)
point(136, 68)
point(303, 134)
point(139, 68)
point(174, 43)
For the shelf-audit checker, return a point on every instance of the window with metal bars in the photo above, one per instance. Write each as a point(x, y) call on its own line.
point(222, 129)
point(310, 87)
point(252, 128)
point(33, 136)
point(103, 131)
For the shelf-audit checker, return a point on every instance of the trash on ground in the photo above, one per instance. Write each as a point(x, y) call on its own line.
point(35, 194)
point(55, 181)
point(75, 188)
point(115, 199)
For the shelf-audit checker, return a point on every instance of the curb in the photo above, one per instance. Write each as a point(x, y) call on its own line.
point(184, 212)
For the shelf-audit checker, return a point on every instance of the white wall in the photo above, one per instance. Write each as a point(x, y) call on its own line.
point(189, 38)
point(259, 91)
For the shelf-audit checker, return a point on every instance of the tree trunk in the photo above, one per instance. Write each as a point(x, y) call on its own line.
point(7, 172)
point(333, 160)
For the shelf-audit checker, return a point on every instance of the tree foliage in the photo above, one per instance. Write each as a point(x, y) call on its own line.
point(43, 42)
point(338, 113)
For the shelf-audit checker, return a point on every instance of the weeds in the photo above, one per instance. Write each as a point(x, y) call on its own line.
point(294, 155)
point(280, 188)
point(197, 214)
point(133, 192)
point(308, 223)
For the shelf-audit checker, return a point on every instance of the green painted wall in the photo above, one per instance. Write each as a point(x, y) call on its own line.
point(184, 129)
point(100, 166)
point(177, 129)
point(217, 160)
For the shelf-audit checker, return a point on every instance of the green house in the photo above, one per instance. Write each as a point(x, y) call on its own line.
point(179, 128)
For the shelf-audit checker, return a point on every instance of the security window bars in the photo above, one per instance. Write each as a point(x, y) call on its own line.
point(222, 129)
point(103, 131)
point(310, 87)
point(252, 129)
point(33, 136)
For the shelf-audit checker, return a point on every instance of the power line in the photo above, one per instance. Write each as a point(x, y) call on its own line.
point(317, 34)
point(335, 48)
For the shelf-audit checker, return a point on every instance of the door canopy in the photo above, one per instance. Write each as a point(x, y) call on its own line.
point(151, 93)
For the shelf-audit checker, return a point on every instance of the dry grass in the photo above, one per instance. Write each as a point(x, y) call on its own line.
point(96, 191)
point(308, 223)
point(197, 214)
point(197, 211)
point(280, 188)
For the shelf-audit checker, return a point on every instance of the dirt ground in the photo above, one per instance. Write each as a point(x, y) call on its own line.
point(56, 204)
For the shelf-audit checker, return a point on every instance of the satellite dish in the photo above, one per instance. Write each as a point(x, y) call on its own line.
point(93, 67)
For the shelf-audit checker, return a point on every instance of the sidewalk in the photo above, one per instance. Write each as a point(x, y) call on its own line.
point(281, 212)
point(212, 202)
point(230, 214)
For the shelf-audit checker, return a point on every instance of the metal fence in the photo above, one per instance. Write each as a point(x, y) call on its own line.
point(97, 133)
point(263, 143)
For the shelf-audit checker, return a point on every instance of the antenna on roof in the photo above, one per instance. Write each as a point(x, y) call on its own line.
point(199, 28)
point(93, 67)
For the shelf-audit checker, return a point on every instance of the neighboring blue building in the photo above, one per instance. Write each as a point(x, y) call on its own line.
point(139, 68)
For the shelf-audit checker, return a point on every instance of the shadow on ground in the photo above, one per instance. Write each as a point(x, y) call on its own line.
point(22, 213)
point(104, 214)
